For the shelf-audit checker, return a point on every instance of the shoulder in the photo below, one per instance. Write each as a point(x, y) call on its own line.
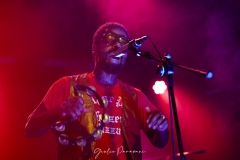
point(60, 82)
point(77, 76)
point(66, 80)
point(129, 88)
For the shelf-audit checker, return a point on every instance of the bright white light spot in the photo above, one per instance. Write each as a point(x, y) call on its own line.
point(159, 87)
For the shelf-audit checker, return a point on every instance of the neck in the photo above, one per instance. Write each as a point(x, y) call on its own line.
point(104, 78)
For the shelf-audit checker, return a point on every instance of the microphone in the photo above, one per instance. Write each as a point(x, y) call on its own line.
point(132, 45)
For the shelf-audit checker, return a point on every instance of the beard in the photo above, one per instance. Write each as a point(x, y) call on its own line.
point(111, 68)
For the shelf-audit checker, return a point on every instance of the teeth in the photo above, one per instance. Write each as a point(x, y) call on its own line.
point(111, 55)
point(120, 55)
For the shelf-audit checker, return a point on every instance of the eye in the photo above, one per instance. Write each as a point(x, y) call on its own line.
point(111, 39)
point(123, 40)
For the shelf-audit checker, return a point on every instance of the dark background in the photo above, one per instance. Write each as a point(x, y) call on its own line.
point(43, 40)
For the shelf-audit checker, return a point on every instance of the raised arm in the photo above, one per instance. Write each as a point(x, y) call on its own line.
point(154, 123)
point(56, 104)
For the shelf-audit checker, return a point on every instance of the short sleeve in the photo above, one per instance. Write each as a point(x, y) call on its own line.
point(58, 92)
point(143, 103)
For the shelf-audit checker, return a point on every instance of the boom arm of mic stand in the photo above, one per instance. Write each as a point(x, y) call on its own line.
point(207, 74)
point(168, 67)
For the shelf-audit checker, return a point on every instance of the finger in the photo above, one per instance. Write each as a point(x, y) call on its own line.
point(78, 99)
point(149, 117)
point(163, 126)
point(67, 107)
point(78, 108)
point(154, 119)
point(71, 113)
point(73, 107)
point(147, 109)
point(64, 107)
point(77, 111)
point(81, 100)
point(163, 123)
point(158, 123)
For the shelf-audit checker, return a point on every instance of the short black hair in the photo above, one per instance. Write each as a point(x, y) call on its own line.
point(99, 32)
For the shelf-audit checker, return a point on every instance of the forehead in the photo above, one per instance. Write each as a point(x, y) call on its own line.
point(116, 30)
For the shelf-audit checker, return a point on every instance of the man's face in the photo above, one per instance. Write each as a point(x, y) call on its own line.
point(112, 39)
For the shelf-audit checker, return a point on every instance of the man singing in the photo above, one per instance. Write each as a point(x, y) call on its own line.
point(128, 109)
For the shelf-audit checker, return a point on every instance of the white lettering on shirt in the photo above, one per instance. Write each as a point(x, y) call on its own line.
point(111, 119)
point(113, 130)
point(118, 131)
point(117, 118)
point(119, 102)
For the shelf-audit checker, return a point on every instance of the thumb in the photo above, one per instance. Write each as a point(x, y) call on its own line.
point(147, 109)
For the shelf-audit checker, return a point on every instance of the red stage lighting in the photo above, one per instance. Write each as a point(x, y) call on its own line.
point(159, 87)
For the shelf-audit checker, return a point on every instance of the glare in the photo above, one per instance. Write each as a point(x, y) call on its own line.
point(159, 87)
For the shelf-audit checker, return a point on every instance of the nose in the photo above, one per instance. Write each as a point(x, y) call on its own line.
point(117, 45)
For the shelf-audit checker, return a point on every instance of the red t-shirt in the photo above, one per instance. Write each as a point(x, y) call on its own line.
point(111, 141)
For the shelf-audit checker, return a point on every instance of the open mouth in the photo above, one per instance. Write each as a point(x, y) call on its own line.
point(113, 57)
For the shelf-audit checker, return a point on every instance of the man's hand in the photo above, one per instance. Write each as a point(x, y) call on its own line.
point(156, 120)
point(73, 107)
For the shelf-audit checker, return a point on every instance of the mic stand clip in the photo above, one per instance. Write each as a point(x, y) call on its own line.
point(167, 69)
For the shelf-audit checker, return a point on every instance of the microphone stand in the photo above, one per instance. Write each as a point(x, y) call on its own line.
point(167, 69)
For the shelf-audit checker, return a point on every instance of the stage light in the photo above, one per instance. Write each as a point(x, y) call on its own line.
point(159, 87)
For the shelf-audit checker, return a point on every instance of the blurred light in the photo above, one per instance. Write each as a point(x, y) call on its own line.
point(159, 87)
point(209, 75)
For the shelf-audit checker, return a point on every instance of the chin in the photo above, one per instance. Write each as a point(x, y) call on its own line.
point(111, 68)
